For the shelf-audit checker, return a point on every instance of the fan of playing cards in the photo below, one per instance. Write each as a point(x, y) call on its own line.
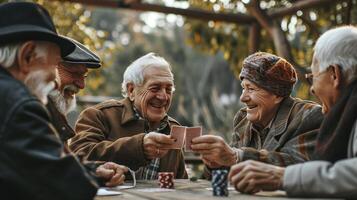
point(184, 135)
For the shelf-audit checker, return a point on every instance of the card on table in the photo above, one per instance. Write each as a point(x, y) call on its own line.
point(178, 133)
point(191, 133)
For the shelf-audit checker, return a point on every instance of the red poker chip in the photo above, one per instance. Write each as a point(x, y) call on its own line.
point(166, 179)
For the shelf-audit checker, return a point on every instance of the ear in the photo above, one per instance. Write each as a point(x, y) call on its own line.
point(278, 99)
point(26, 56)
point(130, 90)
point(336, 76)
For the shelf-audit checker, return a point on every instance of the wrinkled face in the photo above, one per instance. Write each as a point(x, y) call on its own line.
point(322, 86)
point(153, 98)
point(71, 79)
point(261, 104)
point(42, 74)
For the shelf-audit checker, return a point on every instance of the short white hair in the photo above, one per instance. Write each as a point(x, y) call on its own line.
point(8, 52)
point(338, 47)
point(134, 73)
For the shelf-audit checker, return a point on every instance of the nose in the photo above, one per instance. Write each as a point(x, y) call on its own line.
point(79, 83)
point(162, 95)
point(244, 97)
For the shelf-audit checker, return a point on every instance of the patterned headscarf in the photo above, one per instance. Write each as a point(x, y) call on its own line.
point(269, 72)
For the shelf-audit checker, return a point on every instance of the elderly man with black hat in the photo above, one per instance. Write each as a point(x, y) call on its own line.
point(274, 127)
point(33, 164)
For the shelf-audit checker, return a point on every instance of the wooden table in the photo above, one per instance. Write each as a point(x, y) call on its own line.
point(187, 190)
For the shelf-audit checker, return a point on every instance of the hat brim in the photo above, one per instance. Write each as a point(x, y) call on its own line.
point(92, 65)
point(17, 33)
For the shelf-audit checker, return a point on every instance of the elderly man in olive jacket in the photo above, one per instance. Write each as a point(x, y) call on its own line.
point(134, 131)
point(274, 127)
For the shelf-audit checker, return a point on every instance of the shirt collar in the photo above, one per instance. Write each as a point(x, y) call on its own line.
point(131, 113)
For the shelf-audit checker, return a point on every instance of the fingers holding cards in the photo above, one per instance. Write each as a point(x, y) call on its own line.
point(184, 135)
point(191, 133)
point(178, 133)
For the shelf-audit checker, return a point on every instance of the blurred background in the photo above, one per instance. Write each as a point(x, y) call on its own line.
point(204, 40)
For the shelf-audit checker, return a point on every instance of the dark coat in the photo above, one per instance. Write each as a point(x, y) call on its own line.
point(33, 164)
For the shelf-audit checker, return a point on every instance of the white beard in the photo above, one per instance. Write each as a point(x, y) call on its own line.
point(36, 82)
point(63, 105)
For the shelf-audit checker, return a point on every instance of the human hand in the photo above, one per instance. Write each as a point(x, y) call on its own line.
point(214, 150)
point(253, 176)
point(156, 145)
point(112, 173)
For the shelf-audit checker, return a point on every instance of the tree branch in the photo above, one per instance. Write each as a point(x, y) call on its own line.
point(281, 43)
point(300, 5)
point(237, 18)
point(254, 38)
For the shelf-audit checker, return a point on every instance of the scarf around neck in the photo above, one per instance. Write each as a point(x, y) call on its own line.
point(333, 138)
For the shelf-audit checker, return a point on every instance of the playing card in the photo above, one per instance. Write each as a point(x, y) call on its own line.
point(192, 132)
point(178, 133)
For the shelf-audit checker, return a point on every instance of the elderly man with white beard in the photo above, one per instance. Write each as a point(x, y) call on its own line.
point(70, 77)
point(33, 164)
point(72, 71)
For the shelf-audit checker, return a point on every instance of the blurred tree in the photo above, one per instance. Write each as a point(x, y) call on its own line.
point(287, 28)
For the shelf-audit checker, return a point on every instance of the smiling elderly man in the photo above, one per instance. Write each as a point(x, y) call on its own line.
point(33, 164)
point(134, 131)
point(334, 173)
point(72, 71)
point(274, 127)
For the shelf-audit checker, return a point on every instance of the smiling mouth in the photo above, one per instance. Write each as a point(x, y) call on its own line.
point(157, 106)
point(250, 107)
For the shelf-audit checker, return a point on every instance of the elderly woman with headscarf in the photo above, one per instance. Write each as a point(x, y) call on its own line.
point(274, 127)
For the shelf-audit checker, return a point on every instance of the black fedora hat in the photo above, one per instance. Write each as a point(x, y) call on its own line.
point(82, 55)
point(21, 21)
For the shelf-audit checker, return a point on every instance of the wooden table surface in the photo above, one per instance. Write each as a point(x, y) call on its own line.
point(187, 190)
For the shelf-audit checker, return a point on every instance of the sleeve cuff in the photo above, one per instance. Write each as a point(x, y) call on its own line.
point(292, 179)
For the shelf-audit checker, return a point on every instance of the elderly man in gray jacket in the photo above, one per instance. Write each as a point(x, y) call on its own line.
point(334, 172)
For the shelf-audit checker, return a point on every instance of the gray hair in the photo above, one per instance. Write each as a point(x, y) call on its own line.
point(338, 47)
point(8, 52)
point(134, 73)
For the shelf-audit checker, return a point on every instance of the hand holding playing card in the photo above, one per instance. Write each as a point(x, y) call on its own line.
point(191, 133)
point(178, 133)
point(156, 145)
point(214, 149)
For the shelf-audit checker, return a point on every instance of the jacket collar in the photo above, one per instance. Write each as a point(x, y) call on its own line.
point(280, 122)
point(128, 112)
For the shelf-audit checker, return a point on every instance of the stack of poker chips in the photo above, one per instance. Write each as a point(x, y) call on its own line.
point(220, 182)
point(166, 179)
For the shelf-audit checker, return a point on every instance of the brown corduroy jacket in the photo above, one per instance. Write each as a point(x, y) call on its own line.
point(110, 131)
